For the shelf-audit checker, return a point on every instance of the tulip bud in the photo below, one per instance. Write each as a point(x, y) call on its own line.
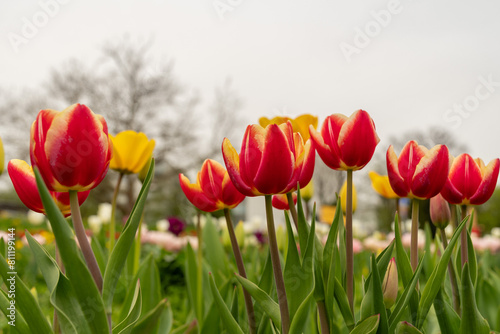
point(307, 192)
point(390, 284)
point(343, 198)
point(440, 211)
point(239, 232)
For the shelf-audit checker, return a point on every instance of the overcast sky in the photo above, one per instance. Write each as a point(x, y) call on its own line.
point(410, 64)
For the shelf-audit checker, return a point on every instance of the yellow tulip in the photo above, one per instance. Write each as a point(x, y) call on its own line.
point(343, 197)
point(299, 124)
point(307, 192)
point(131, 151)
point(381, 185)
point(2, 157)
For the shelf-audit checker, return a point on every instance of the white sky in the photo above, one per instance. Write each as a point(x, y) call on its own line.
point(285, 56)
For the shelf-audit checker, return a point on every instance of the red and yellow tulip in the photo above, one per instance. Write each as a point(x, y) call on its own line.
point(470, 181)
point(418, 172)
point(280, 201)
point(346, 143)
point(299, 124)
point(213, 189)
point(272, 160)
point(23, 179)
point(381, 184)
point(131, 151)
point(71, 148)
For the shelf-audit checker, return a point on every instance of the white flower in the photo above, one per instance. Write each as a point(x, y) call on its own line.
point(35, 218)
point(162, 225)
point(95, 223)
point(104, 212)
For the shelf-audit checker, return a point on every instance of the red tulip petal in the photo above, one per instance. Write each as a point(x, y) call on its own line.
point(195, 195)
point(251, 152)
point(308, 161)
point(231, 197)
point(24, 182)
point(331, 129)
point(232, 161)
point(330, 159)
point(39, 130)
point(357, 140)
point(280, 202)
point(465, 175)
point(431, 173)
point(76, 147)
point(398, 183)
point(277, 164)
point(408, 160)
point(488, 184)
point(451, 194)
point(211, 176)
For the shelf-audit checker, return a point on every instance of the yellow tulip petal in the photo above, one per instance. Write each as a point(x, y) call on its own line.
point(131, 151)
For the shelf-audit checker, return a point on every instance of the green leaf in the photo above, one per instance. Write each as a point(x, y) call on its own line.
point(99, 254)
point(211, 321)
point(149, 322)
point(149, 278)
point(216, 257)
point(297, 282)
point(406, 328)
point(62, 296)
point(383, 260)
point(21, 326)
point(343, 303)
point(472, 260)
point(191, 274)
point(367, 326)
point(472, 320)
point(405, 298)
point(448, 319)
point(234, 304)
point(227, 319)
point(124, 243)
point(269, 306)
point(437, 277)
point(299, 321)
point(404, 267)
point(81, 280)
point(302, 226)
point(373, 302)
point(134, 312)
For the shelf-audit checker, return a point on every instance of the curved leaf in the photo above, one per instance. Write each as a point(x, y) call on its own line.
point(133, 315)
point(472, 320)
point(227, 319)
point(367, 326)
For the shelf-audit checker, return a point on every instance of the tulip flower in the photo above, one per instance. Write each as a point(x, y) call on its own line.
point(131, 151)
point(299, 124)
point(381, 184)
point(272, 160)
point(440, 211)
point(280, 202)
point(390, 284)
point(23, 179)
point(343, 198)
point(346, 143)
point(2, 157)
point(418, 173)
point(470, 181)
point(71, 148)
point(213, 189)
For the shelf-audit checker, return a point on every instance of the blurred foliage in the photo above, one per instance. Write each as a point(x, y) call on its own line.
point(489, 213)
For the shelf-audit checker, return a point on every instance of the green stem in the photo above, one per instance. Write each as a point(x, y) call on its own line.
point(241, 271)
point(349, 243)
point(88, 254)
point(278, 274)
point(199, 275)
point(293, 210)
point(137, 247)
point(112, 223)
point(414, 235)
point(453, 277)
point(463, 238)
